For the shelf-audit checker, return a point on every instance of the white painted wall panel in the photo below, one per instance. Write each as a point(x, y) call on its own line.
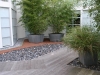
point(4, 4)
point(20, 29)
point(14, 27)
point(14, 22)
point(14, 30)
point(13, 14)
point(86, 19)
point(21, 32)
point(15, 38)
point(85, 14)
point(46, 33)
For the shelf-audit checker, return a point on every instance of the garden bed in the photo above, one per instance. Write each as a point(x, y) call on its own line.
point(29, 53)
point(77, 63)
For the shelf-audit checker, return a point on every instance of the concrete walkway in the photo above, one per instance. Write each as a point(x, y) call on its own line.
point(54, 63)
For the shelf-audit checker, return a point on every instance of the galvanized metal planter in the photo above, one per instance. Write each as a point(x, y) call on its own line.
point(56, 37)
point(88, 59)
point(36, 38)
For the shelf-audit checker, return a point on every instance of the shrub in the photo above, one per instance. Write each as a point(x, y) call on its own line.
point(34, 15)
point(85, 38)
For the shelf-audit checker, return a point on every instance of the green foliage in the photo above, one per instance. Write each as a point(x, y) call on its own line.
point(82, 39)
point(98, 55)
point(34, 14)
point(94, 9)
point(60, 13)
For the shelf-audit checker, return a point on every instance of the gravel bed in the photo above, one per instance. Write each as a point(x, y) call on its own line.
point(30, 52)
point(77, 63)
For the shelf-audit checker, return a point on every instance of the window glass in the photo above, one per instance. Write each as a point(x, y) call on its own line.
point(75, 20)
point(6, 41)
point(4, 12)
point(5, 22)
point(5, 32)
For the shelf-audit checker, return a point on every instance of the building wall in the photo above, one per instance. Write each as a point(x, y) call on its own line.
point(8, 23)
point(20, 28)
point(86, 19)
point(14, 26)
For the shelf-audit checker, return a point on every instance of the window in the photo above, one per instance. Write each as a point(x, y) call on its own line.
point(75, 21)
point(5, 26)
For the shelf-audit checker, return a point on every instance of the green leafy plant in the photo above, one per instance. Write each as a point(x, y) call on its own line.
point(85, 38)
point(60, 14)
point(34, 15)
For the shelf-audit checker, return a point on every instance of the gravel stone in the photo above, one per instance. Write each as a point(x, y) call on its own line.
point(77, 63)
point(30, 52)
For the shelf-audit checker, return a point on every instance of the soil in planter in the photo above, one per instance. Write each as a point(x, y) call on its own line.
point(77, 63)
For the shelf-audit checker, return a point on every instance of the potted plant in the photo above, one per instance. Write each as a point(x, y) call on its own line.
point(85, 40)
point(60, 13)
point(34, 18)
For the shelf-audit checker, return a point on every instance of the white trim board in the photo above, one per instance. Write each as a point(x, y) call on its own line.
point(0, 35)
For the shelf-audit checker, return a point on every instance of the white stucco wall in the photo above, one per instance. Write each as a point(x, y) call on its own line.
point(49, 30)
point(20, 28)
point(46, 33)
point(20, 32)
